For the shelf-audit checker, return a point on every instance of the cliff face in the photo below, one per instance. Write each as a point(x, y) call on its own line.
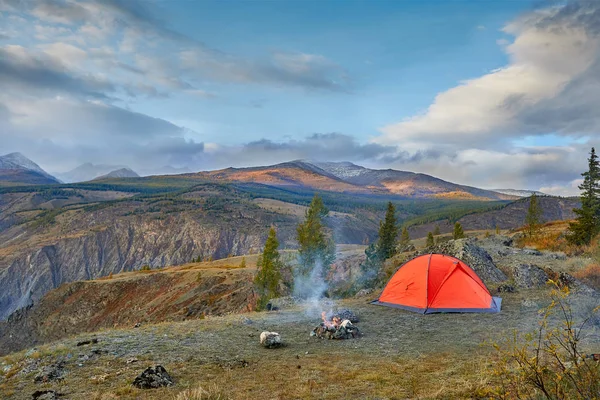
point(124, 245)
point(172, 294)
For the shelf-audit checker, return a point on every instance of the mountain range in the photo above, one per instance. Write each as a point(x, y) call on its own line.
point(344, 177)
point(347, 177)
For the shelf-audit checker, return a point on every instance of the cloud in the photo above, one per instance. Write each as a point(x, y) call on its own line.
point(570, 189)
point(554, 60)
point(21, 70)
point(550, 86)
point(317, 147)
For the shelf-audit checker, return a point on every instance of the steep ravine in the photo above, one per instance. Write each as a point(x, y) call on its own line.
point(125, 245)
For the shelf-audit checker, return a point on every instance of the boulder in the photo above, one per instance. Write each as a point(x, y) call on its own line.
point(565, 279)
point(474, 256)
point(506, 288)
point(529, 276)
point(51, 373)
point(270, 340)
point(45, 395)
point(153, 378)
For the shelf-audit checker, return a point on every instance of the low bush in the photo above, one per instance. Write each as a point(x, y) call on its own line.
point(589, 275)
point(549, 362)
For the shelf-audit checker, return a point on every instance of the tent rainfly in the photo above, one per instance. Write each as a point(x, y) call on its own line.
point(436, 283)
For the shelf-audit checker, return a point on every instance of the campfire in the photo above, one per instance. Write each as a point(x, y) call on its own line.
point(337, 327)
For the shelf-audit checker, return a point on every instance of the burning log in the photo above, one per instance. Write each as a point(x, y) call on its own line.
point(336, 328)
point(345, 314)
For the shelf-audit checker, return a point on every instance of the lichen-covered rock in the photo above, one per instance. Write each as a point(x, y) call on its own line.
point(53, 372)
point(45, 395)
point(529, 276)
point(153, 378)
point(474, 256)
point(270, 340)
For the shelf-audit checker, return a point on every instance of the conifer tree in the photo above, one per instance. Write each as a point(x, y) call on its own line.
point(587, 224)
point(497, 229)
point(268, 274)
point(436, 231)
point(388, 231)
point(315, 245)
point(404, 238)
point(533, 218)
point(243, 263)
point(430, 242)
point(458, 231)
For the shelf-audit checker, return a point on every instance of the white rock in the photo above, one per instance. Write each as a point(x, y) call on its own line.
point(270, 339)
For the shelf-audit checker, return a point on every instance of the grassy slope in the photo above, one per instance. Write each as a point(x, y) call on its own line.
point(402, 355)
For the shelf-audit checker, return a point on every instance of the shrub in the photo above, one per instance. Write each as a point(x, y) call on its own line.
point(145, 268)
point(547, 363)
point(590, 275)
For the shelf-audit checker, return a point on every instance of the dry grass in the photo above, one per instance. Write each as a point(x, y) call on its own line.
point(551, 237)
point(590, 275)
point(402, 355)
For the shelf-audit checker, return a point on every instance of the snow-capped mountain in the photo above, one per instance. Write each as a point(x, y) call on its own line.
point(16, 168)
point(519, 193)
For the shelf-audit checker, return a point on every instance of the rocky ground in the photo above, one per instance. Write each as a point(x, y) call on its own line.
point(400, 355)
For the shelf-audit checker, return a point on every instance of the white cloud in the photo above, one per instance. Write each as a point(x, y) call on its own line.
point(570, 189)
point(544, 59)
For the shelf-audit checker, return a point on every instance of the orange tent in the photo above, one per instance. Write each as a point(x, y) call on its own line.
point(437, 283)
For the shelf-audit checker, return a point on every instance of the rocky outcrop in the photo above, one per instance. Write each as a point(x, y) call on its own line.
point(153, 378)
point(529, 276)
point(474, 256)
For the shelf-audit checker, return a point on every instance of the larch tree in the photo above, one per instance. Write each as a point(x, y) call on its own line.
point(388, 232)
point(587, 225)
point(430, 241)
point(404, 238)
point(315, 245)
point(458, 231)
point(268, 274)
point(533, 219)
point(380, 250)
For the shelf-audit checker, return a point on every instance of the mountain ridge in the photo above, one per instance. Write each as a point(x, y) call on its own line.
point(15, 168)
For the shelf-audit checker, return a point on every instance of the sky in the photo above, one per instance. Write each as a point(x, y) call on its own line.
point(494, 94)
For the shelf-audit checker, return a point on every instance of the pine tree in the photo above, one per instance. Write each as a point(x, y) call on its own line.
point(268, 274)
point(243, 263)
point(430, 242)
point(497, 230)
point(458, 231)
point(379, 251)
point(534, 216)
point(587, 224)
point(315, 245)
point(388, 231)
point(436, 231)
